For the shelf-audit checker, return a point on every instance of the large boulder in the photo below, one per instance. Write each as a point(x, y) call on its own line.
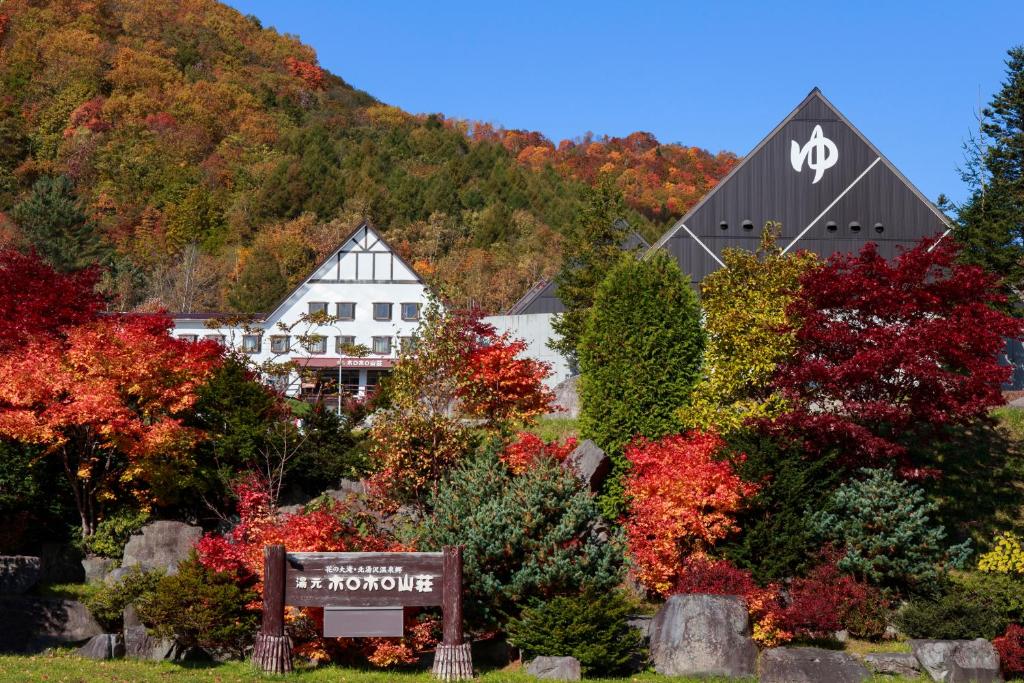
point(958, 661)
point(810, 665)
point(103, 646)
point(590, 464)
point(893, 664)
point(555, 668)
point(161, 545)
point(567, 398)
point(18, 573)
point(139, 643)
point(29, 623)
point(97, 568)
point(703, 635)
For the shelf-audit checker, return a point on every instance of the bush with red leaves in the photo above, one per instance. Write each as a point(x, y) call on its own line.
point(827, 601)
point(528, 448)
point(1010, 647)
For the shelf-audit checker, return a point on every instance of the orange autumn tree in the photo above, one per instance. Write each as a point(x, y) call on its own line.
point(107, 401)
point(682, 499)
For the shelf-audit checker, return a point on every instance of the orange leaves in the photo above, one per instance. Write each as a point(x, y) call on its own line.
point(310, 74)
point(523, 453)
point(502, 388)
point(682, 499)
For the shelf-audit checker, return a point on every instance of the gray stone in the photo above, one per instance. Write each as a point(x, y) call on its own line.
point(642, 623)
point(958, 661)
point(841, 636)
point(590, 464)
point(555, 668)
point(29, 623)
point(567, 398)
point(703, 635)
point(809, 665)
point(115, 575)
point(103, 646)
point(18, 573)
point(97, 568)
point(975, 661)
point(161, 545)
point(893, 663)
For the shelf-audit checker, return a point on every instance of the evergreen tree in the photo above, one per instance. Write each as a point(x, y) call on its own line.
point(593, 245)
point(640, 356)
point(992, 220)
point(260, 285)
point(56, 227)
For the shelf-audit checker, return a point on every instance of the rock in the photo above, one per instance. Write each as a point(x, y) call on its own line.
point(97, 568)
point(103, 646)
point(62, 563)
point(703, 635)
point(346, 488)
point(975, 661)
point(567, 398)
point(115, 575)
point(30, 623)
point(589, 463)
point(893, 664)
point(161, 545)
point(841, 636)
point(810, 665)
point(555, 668)
point(642, 623)
point(18, 573)
point(935, 656)
point(140, 644)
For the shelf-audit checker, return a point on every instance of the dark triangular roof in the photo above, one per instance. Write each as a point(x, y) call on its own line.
point(821, 211)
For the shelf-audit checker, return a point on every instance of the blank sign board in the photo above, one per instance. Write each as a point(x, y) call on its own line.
point(362, 622)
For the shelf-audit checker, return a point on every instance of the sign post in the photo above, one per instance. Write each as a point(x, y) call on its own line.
point(363, 595)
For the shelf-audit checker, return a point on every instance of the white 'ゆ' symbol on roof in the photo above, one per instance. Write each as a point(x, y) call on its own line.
point(820, 153)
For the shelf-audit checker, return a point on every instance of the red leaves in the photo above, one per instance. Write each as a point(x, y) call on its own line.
point(891, 352)
point(1010, 647)
point(528, 448)
point(681, 499)
point(500, 387)
point(310, 74)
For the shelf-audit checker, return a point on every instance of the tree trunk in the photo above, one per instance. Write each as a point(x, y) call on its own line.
point(273, 650)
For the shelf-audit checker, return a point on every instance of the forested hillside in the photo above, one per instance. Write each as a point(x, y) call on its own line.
point(208, 162)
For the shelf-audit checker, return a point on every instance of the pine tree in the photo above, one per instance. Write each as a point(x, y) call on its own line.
point(592, 247)
point(640, 356)
point(260, 284)
point(56, 227)
point(992, 220)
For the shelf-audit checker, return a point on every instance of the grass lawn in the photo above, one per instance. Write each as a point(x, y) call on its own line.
point(556, 428)
point(63, 665)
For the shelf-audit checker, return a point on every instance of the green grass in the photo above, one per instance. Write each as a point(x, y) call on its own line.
point(556, 428)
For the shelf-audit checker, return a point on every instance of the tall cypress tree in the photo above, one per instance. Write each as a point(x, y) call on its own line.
point(992, 220)
point(56, 227)
point(640, 357)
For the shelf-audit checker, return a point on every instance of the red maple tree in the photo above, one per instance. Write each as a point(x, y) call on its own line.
point(528, 448)
point(108, 401)
point(891, 352)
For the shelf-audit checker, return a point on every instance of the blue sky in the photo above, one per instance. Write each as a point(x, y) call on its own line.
point(717, 75)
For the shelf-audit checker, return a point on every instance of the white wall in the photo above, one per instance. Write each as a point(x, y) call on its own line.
point(536, 330)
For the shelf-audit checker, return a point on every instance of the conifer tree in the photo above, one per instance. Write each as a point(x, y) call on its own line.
point(991, 226)
point(260, 284)
point(56, 227)
point(640, 356)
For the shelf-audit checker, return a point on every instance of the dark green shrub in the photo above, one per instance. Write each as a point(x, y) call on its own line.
point(592, 627)
point(975, 605)
point(113, 532)
point(108, 601)
point(640, 355)
point(199, 607)
point(884, 528)
point(528, 536)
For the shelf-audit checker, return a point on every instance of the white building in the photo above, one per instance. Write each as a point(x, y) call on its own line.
point(365, 302)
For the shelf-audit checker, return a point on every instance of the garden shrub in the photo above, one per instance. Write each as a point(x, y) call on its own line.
point(1010, 646)
point(199, 607)
point(682, 499)
point(593, 627)
point(640, 354)
point(528, 536)
point(528, 448)
point(107, 602)
point(826, 601)
point(1006, 556)
point(884, 530)
point(974, 605)
point(113, 532)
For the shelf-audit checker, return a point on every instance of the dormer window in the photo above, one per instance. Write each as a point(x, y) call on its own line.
point(748, 225)
point(879, 228)
point(831, 226)
point(854, 226)
point(723, 225)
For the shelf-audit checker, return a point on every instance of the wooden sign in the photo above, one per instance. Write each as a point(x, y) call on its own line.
point(363, 595)
point(363, 579)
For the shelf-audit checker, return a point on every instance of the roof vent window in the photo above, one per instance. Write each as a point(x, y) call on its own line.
point(855, 226)
point(831, 226)
point(748, 225)
point(879, 228)
point(723, 226)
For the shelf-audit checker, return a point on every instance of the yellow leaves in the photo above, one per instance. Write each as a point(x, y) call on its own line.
point(1006, 557)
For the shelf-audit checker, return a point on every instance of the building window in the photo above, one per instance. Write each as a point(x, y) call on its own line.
point(879, 228)
point(316, 307)
point(219, 338)
point(251, 343)
point(280, 344)
point(346, 310)
point(723, 226)
point(373, 378)
point(406, 344)
point(855, 226)
point(188, 337)
point(350, 381)
point(343, 343)
point(382, 311)
point(316, 344)
point(748, 225)
point(382, 345)
point(410, 311)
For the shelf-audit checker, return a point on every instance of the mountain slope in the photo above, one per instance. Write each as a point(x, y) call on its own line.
point(194, 137)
